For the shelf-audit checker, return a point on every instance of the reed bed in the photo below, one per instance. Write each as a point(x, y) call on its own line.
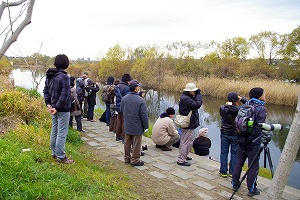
point(277, 92)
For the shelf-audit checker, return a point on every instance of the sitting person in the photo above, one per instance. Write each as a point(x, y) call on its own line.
point(202, 143)
point(164, 133)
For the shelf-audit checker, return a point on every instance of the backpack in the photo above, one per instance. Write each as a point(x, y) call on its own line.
point(244, 120)
point(107, 93)
point(74, 105)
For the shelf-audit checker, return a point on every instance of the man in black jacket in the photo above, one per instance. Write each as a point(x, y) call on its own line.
point(190, 100)
point(229, 137)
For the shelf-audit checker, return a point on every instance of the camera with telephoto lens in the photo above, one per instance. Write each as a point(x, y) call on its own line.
point(144, 148)
point(271, 127)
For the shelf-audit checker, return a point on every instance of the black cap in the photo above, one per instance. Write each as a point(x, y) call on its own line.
point(232, 97)
point(126, 78)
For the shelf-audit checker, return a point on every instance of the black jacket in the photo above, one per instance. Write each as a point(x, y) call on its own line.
point(201, 146)
point(186, 104)
point(228, 114)
point(92, 90)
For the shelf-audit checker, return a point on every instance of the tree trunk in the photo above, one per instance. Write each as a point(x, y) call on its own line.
point(287, 158)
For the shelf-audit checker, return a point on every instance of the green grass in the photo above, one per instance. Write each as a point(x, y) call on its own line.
point(263, 172)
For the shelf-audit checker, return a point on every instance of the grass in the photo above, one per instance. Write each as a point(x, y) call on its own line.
point(35, 174)
point(263, 172)
point(277, 92)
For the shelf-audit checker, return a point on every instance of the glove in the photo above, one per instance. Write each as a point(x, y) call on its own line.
point(146, 130)
point(198, 91)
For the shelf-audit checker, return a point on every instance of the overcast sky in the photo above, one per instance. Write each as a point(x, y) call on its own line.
point(87, 28)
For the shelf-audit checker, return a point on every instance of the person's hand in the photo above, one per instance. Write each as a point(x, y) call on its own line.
point(49, 107)
point(198, 91)
point(53, 111)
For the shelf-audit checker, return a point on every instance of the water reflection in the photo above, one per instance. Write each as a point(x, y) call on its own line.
point(159, 101)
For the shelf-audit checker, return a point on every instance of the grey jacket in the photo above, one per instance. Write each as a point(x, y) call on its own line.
point(135, 114)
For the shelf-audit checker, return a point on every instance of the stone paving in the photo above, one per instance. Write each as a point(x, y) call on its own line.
point(201, 177)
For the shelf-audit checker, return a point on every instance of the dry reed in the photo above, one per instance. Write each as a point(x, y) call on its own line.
point(277, 92)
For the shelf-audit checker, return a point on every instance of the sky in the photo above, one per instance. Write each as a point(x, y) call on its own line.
point(88, 28)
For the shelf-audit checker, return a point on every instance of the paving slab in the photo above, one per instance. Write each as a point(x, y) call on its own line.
point(206, 175)
point(85, 139)
point(157, 174)
point(91, 135)
point(93, 144)
point(182, 175)
point(110, 144)
point(152, 153)
point(167, 159)
point(204, 196)
point(108, 135)
point(100, 139)
point(162, 166)
point(206, 167)
point(180, 184)
point(204, 185)
point(228, 195)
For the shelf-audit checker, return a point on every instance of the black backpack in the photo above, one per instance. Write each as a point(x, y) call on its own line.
point(244, 120)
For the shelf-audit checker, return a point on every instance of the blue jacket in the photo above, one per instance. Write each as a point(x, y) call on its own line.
point(121, 90)
point(57, 90)
point(186, 104)
point(135, 114)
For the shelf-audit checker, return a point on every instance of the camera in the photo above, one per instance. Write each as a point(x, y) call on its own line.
point(271, 127)
point(144, 148)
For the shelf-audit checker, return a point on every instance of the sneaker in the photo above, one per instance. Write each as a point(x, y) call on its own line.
point(235, 188)
point(82, 131)
point(158, 146)
point(165, 148)
point(256, 192)
point(230, 175)
point(189, 158)
point(142, 153)
point(65, 160)
point(140, 163)
point(184, 164)
point(224, 175)
point(119, 138)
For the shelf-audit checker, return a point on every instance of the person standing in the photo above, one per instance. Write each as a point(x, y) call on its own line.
point(164, 133)
point(85, 79)
point(135, 114)
point(76, 111)
point(109, 90)
point(58, 100)
point(248, 146)
point(190, 100)
point(92, 90)
point(229, 133)
point(121, 90)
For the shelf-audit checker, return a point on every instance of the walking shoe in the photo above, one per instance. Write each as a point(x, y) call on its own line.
point(119, 138)
point(224, 175)
point(256, 192)
point(142, 153)
point(65, 160)
point(158, 146)
point(230, 175)
point(82, 131)
point(184, 164)
point(165, 148)
point(140, 163)
point(189, 158)
point(235, 188)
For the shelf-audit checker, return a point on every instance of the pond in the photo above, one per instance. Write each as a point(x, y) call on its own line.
point(158, 101)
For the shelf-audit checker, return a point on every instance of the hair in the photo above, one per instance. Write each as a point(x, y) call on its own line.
point(61, 61)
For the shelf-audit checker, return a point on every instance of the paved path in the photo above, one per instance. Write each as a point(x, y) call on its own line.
point(201, 177)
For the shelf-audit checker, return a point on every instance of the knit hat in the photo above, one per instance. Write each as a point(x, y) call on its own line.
point(203, 132)
point(232, 97)
point(126, 78)
point(256, 92)
point(90, 82)
point(110, 80)
point(170, 111)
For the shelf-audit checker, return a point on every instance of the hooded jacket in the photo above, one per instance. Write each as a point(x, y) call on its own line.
point(57, 90)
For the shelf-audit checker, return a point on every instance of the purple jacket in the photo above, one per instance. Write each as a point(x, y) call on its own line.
point(57, 90)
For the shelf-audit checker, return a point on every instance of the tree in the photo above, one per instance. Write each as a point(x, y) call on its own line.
point(287, 158)
point(292, 45)
point(11, 34)
point(267, 44)
point(235, 47)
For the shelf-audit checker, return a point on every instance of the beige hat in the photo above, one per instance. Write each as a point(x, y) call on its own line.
point(190, 87)
point(203, 132)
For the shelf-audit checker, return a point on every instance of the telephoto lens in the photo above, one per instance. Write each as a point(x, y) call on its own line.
point(271, 127)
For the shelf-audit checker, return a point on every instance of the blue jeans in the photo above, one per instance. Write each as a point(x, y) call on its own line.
point(108, 114)
point(226, 142)
point(59, 132)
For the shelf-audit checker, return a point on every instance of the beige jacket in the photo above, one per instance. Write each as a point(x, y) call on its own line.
point(162, 130)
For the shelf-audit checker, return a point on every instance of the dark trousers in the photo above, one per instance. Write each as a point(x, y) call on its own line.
point(90, 112)
point(85, 108)
point(245, 152)
point(108, 114)
point(113, 123)
point(134, 141)
point(120, 126)
point(78, 122)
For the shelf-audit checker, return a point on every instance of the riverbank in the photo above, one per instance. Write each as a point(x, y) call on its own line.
point(278, 92)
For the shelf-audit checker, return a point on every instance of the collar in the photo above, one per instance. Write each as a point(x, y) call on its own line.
point(257, 101)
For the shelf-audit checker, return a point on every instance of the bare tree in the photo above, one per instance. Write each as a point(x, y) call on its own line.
point(287, 158)
point(12, 34)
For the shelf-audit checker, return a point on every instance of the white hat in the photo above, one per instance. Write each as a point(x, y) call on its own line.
point(190, 87)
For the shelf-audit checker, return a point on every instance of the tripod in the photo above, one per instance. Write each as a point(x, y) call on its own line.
point(265, 138)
